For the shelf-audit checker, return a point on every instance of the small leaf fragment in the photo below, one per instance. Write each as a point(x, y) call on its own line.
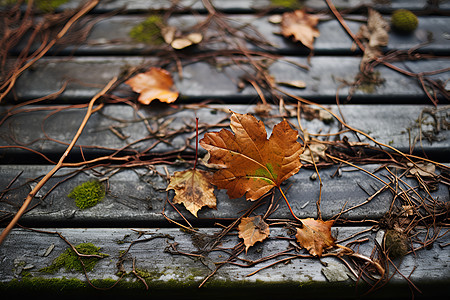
point(193, 189)
point(252, 230)
point(300, 84)
point(186, 41)
point(374, 35)
point(168, 33)
point(314, 152)
point(315, 236)
point(422, 169)
point(156, 83)
point(301, 26)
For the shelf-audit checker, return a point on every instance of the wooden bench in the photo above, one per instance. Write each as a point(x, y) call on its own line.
point(367, 181)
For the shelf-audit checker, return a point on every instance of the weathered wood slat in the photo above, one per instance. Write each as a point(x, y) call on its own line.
point(121, 127)
point(249, 6)
point(111, 36)
point(138, 196)
point(168, 274)
point(326, 76)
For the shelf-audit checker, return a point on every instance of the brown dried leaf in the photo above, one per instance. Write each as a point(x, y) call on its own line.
point(301, 26)
point(314, 152)
point(374, 35)
point(252, 230)
point(193, 189)
point(300, 84)
point(315, 235)
point(251, 164)
point(156, 83)
point(422, 169)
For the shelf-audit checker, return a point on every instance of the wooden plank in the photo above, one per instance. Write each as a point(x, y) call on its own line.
point(326, 76)
point(137, 196)
point(249, 6)
point(111, 37)
point(121, 127)
point(171, 274)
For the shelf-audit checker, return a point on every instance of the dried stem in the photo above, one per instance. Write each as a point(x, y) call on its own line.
point(30, 196)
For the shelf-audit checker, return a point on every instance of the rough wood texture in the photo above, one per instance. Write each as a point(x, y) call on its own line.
point(255, 5)
point(420, 129)
point(138, 197)
point(168, 272)
point(326, 76)
point(111, 36)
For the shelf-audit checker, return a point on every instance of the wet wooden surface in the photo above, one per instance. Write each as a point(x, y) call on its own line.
point(396, 112)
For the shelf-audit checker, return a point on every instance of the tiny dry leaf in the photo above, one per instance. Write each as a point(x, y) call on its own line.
point(156, 83)
point(374, 35)
point(193, 189)
point(315, 235)
point(422, 169)
point(301, 26)
point(251, 164)
point(252, 230)
point(314, 152)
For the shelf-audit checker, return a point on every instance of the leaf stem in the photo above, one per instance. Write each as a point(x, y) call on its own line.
point(289, 206)
point(196, 142)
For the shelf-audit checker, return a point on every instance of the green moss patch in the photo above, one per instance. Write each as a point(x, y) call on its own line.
point(289, 4)
point(88, 194)
point(49, 5)
point(395, 243)
point(404, 21)
point(148, 31)
point(70, 261)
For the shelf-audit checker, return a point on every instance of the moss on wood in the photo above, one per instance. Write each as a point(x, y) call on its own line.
point(88, 194)
point(70, 261)
point(148, 31)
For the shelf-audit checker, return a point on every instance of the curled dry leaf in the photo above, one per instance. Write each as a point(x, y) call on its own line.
point(314, 152)
point(156, 83)
point(251, 164)
point(193, 189)
point(177, 41)
point(374, 35)
point(300, 84)
point(422, 169)
point(301, 26)
point(252, 230)
point(315, 236)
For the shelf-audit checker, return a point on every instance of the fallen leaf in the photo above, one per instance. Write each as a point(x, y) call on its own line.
point(275, 19)
point(251, 164)
point(156, 83)
point(252, 230)
point(300, 84)
point(301, 26)
point(422, 169)
point(374, 36)
point(314, 152)
point(193, 189)
point(168, 33)
point(315, 235)
point(183, 42)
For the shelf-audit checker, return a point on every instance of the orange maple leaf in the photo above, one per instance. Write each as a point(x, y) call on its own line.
point(252, 164)
point(193, 189)
point(156, 83)
point(301, 26)
point(315, 235)
point(252, 230)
